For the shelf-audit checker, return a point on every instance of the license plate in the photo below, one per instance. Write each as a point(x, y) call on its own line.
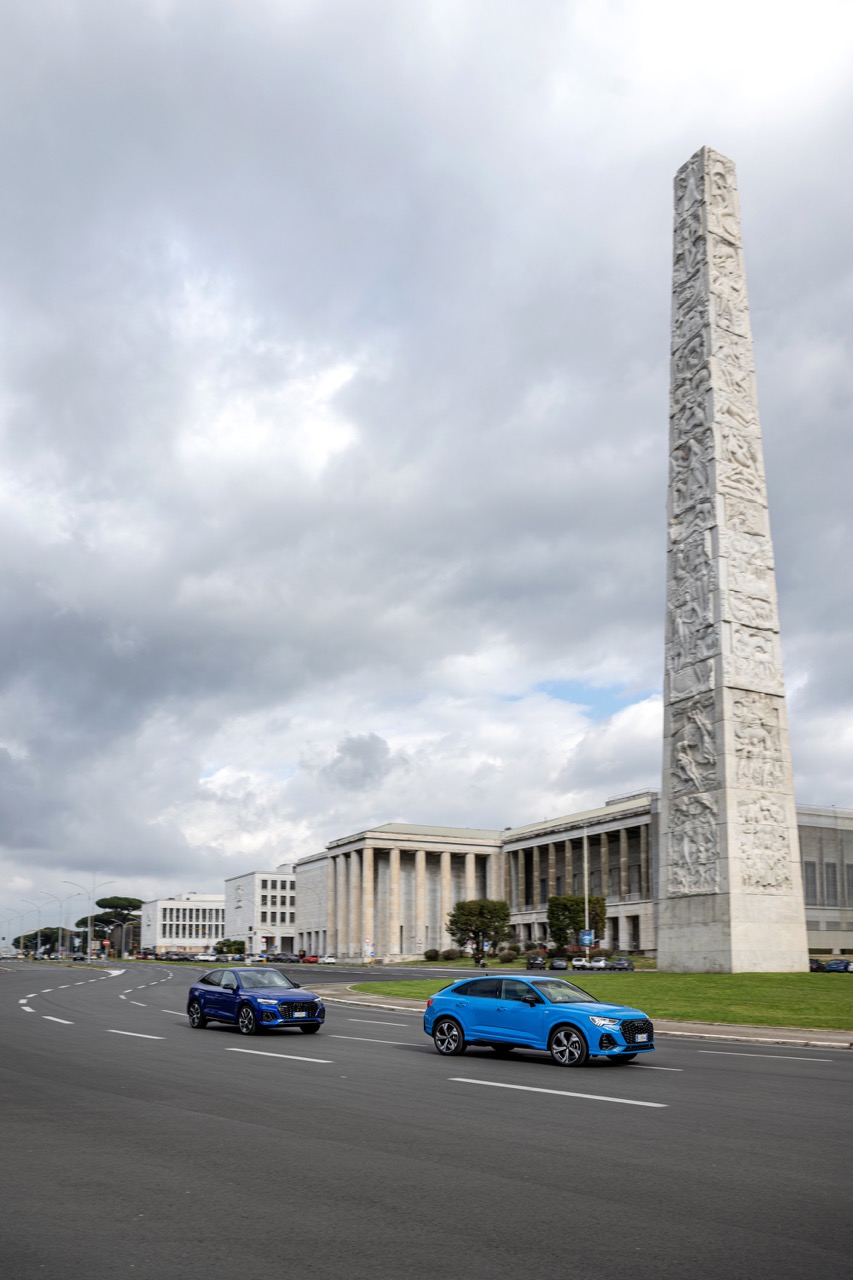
point(299, 1015)
point(644, 1036)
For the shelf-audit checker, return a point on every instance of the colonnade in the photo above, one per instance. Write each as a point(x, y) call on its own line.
point(618, 863)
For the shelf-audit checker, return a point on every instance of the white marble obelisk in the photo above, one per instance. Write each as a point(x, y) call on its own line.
point(729, 893)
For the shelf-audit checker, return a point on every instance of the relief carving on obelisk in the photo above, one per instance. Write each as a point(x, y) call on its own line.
point(727, 815)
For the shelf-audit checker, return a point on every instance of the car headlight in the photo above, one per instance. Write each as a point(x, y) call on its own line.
point(272, 1002)
point(612, 1024)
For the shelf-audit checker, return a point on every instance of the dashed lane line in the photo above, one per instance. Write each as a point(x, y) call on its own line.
point(371, 1022)
point(26, 1008)
point(782, 1057)
point(136, 1034)
point(560, 1093)
point(64, 985)
point(138, 1004)
point(372, 1040)
point(45, 990)
point(174, 1011)
point(649, 1067)
point(64, 1021)
point(291, 1057)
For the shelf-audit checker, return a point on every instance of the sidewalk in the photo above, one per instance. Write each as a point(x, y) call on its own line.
point(802, 1037)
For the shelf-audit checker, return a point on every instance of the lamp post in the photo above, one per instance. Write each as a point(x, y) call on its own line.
point(37, 906)
point(91, 894)
point(586, 889)
point(62, 902)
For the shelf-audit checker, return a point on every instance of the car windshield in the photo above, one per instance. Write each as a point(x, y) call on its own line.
point(560, 992)
point(263, 978)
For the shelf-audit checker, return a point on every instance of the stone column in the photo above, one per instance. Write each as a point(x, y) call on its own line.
point(537, 875)
point(470, 876)
point(520, 878)
point(355, 904)
point(420, 901)
point(368, 901)
point(341, 931)
point(624, 885)
point(552, 870)
point(394, 901)
point(730, 884)
point(331, 908)
point(446, 895)
point(604, 863)
point(645, 877)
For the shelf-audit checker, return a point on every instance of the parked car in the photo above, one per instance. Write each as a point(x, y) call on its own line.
point(549, 1014)
point(815, 965)
point(580, 962)
point(559, 962)
point(253, 999)
point(310, 959)
point(328, 960)
point(535, 961)
point(207, 957)
point(624, 963)
point(837, 965)
point(599, 962)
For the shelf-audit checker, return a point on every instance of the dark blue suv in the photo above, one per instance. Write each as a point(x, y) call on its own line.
point(535, 1013)
point(254, 999)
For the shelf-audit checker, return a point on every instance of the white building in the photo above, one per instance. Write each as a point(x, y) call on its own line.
point(260, 910)
point(190, 922)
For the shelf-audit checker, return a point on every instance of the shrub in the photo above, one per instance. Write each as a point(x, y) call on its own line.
point(530, 945)
point(451, 953)
point(431, 954)
point(506, 957)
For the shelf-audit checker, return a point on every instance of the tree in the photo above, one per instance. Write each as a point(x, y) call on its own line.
point(122, 910)
point(566, 917)
point(479, 921)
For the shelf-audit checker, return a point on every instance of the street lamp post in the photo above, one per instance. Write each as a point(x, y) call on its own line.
point(91, 894)
point(38, 907)
point(62, 902)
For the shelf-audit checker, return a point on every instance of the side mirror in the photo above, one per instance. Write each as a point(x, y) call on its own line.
point(296, 984)
point(531, 999)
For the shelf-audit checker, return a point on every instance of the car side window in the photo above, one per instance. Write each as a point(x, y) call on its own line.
point(487, 989)
point(463, 990)
point(515, 990)
point(229, 982)
point(211, 979)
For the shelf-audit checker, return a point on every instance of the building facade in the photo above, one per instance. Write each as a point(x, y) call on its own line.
point(260, 910)
point(191, 922)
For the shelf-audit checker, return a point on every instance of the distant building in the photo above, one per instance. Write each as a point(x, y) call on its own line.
point(190, 922)
point(260, 909)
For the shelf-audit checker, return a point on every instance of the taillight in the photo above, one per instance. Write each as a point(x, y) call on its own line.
point(429, 1002)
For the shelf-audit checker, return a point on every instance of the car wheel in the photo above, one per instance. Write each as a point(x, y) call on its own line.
point(246, 1020)
point(502, 1050)
point(448, 1038)
point(309, 1031)
point(197, 1019)
point(623, 1058)
point(568, 1048)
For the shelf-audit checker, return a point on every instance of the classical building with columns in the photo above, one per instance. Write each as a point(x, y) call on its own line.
point(387, 892)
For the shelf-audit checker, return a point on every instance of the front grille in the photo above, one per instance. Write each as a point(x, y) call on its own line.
point(637, 1026)
point(288, 1008)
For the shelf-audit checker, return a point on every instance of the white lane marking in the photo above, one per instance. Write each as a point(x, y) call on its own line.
point(174, 1011)
point(783, 1057)
point(64, 985)
point(371, 1040)
point(24, 1000)
point(144, 984)
point(127, 989)
point(561, 1093)
point(78, 984)
point(31, 996)
point(138, 1034)
point(45, 990)
point(138, 1004)
point(651, 1068)
point(26, 1008)
point(373, 1023)
point(64, 1021)
point(292, 1057)
point(94, 979)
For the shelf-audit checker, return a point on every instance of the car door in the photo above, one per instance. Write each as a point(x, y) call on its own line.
point(207, 991)
point(517, 1019)
point(482, 1003)
point(229, 996)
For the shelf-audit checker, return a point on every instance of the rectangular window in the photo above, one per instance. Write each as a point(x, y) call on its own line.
point(263, 899)
point(274, 900)
point(264, 884)
point(848, 871)
point(272, 918)
point(263, 917)
point(830, 880)
point(810, 883)
point(292, 901)
point(273, 884)
point(293, 917)
point(165, 916)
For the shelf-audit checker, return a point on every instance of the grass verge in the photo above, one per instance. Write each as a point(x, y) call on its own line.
point(813, 1000)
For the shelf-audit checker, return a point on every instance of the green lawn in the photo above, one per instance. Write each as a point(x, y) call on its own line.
point(819, 1000)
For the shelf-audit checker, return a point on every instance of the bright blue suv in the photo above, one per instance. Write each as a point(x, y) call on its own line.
point(535, 1013)
point(254, 999)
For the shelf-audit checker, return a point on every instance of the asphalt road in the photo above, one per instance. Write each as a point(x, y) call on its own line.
point(134, 1146)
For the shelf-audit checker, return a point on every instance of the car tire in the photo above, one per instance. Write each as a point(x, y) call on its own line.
point(568, 1047)
point(622, 1059)
point(309, 1031)
point(502, 1050)
point(196, 1016)
point(448, 1038)
point(246, 1020)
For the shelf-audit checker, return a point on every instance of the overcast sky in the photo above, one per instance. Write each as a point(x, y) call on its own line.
point(333, 411)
